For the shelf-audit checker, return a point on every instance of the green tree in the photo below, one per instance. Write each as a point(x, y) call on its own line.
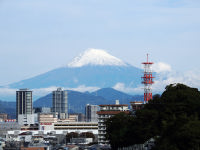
point(186, 137)
point(172, 119)
point(117, 129)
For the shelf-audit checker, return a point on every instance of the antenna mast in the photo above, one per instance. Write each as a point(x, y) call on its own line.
point(147, 80)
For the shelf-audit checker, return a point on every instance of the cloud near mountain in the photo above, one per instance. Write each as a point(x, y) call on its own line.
point(161, 67)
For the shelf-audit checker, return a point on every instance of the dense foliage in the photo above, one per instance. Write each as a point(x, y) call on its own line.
point(172, 119)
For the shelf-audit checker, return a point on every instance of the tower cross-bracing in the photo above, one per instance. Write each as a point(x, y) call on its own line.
point(147, 80)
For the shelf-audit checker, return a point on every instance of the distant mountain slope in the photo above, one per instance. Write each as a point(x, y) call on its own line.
point(111, 94)
point(9, 108)
point(94, 68)
point(93, 76)
point(45, 101)
point(76, 101)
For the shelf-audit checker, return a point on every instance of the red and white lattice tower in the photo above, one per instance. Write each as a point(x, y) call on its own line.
point(147, 80)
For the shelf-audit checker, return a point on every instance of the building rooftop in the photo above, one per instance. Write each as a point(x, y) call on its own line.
point(24, 89)
point(137, 102)
point(114, 105)
point(76, 123)
point(111, 112)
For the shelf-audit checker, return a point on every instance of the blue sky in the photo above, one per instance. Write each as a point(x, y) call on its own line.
point(39, 35)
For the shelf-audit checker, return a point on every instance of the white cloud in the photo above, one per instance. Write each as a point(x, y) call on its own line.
point(190, 78)
point(7, 91)
point(161, 67)
point(127, 89)
point(83, 88)
point(44, 91)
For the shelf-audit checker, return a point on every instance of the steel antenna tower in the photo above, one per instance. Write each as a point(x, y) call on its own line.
point(147, 80)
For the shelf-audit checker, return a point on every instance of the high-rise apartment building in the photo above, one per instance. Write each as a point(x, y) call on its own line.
point(107, 111)
point(91, 113)
point(24, 107)
point(59, 103)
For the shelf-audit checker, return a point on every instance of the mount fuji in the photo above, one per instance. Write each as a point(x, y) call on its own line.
point(93, 68)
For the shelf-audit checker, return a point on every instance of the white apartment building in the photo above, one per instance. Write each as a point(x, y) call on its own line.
point(107, 111)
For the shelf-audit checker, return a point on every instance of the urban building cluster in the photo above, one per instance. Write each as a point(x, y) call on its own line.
point(47, 128)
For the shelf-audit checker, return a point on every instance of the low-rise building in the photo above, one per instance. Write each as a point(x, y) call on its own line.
point(3, 116)
point(30, 127)
point(136, 105)
point(46, 121)
point(35, 148)
point(24, 119)
point(77, 127)
point(7, 126)
point(81, 140)
point(73, 118)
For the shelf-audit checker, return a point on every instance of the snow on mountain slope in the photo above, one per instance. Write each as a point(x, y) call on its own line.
point(96, 57)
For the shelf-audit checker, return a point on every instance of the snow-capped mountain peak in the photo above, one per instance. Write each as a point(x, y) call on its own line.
point(96, 57)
